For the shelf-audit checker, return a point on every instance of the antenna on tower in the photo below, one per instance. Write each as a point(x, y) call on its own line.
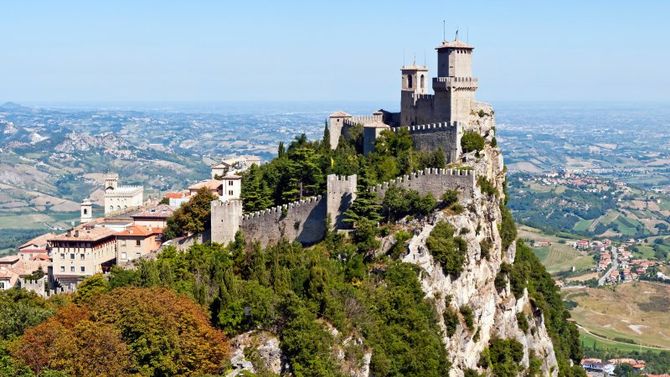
point(444, 30)
point(403, 57)
point(456, 35)
point(414, 61)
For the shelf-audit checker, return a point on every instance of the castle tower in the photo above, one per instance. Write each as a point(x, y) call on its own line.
point(111, 181)
point(454, 85)
point(86, 211)
point(414, 84)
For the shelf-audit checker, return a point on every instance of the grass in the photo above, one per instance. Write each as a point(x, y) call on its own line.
point(588, 342)
point(582, 225)
point(637, 311)
point(559, 256)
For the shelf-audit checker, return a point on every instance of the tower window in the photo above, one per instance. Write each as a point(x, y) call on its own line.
point(422, 81)
point(409, 81)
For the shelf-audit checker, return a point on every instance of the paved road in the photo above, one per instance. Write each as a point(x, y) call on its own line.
point(615, 266)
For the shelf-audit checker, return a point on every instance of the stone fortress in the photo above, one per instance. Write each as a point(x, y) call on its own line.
point(434, 121)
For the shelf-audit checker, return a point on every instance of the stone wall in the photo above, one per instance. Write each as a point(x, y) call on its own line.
point(431, 137)
point(303, 221)
point(340, 193)
point(434, 181)
point(225, 220)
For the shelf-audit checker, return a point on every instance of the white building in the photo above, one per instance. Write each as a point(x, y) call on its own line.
point(232, 187)
point(121, 198)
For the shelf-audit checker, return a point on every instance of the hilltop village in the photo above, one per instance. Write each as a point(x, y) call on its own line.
point(133, 227)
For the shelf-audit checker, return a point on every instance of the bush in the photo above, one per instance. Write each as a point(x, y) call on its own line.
point(507, 228)
point(447, 250)
point(522, 321)
point(486, 186)
point(399, 202)
point(450, 321)
point(468, 316)
point(503, 357)
point(449, 198)
point(472, 141)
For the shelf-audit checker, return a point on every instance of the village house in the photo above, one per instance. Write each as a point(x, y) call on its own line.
point(81, 252)
point(137, 241)
point(176, 199)
point(213, 185)
point(153, 217)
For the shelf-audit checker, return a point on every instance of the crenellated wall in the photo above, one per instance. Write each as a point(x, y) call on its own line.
point(303, 221)
point(435, 136)
point(434, 181)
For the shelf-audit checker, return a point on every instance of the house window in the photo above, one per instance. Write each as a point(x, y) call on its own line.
point(81, 256)
point(71, 255)
point(230, 192)
point(62, 256)
point(2, 285)
point(83, 269)
point(62, 268)
point(71, 268)
point(230, 183)
point(137, 255)
point(138, 242)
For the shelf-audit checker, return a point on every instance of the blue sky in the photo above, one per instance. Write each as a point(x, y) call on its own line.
point(72, 51)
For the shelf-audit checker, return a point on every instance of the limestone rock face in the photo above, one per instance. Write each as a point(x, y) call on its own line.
point(256, 351)
point(495, 313)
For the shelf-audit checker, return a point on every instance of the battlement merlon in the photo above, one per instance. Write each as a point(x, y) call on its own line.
point(455, 83)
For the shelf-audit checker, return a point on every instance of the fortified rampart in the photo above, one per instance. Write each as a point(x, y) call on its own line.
point(305, 220)
point(436, 136)
point(433, 181)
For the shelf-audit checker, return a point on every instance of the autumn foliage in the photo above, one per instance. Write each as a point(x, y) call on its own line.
point(129, 331)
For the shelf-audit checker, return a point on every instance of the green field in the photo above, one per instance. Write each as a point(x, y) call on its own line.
point(558, 257)
point(588, 342)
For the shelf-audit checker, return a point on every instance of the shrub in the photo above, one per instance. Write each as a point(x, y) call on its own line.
point(472, 141)
point(448, 250)
point(522, 321)
point(507, 228)
point(468, 316)
point(450, 321)
point(486, 186)
point(449, 198)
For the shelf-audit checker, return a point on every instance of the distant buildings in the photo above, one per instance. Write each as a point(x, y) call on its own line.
point(121, 198)
point(234, 165)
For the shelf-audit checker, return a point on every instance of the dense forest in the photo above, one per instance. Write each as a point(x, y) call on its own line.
point(175, 314)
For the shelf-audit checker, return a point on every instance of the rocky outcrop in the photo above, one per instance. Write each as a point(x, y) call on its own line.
point(256, 351)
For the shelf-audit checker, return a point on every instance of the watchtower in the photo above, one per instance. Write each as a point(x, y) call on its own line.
point(86, 210)
point(454, 85)
point(111, 181)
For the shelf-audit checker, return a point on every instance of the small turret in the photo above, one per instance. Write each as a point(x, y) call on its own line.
point(86, 211)
point(111, 181)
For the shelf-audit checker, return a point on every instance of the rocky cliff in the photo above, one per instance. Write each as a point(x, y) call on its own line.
point(476, 305)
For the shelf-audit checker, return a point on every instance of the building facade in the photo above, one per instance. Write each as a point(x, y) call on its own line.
point(81, 252)
point(121, 198)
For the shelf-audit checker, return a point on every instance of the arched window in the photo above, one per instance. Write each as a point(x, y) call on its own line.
point(422, 81)
point(409, 81)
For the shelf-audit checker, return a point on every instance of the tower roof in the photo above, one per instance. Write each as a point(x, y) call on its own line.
point(454, 44)
point(414, 67)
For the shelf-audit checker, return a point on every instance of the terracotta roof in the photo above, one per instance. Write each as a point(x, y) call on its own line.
point(454, 44)
point(140, 231)
point(231, 177)
point(211, 184)
point(40, 240)
point(160, 211)
point(376, 124)
point(9, 259)
point(84, 234)
point(174, 195)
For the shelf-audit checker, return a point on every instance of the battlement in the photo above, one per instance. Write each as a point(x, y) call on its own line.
point(444, 83)
point(363, 119)
point(338, 184)
point(429, 127)
point(422, 97)
point(434, 181)
point(282, 208)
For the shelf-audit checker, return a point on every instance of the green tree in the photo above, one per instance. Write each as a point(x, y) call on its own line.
point(192, 217)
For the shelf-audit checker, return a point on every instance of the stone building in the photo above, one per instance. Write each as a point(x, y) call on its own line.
point(81, 252)
point(121, 198)
point(435, 121)
point(137, 241)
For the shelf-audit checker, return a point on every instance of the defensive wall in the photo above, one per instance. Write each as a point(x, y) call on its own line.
point(305, 221)
point(433, 181)
point(435, 136)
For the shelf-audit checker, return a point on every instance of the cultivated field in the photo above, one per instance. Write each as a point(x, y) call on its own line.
point(559, 256)
point(637, 312)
